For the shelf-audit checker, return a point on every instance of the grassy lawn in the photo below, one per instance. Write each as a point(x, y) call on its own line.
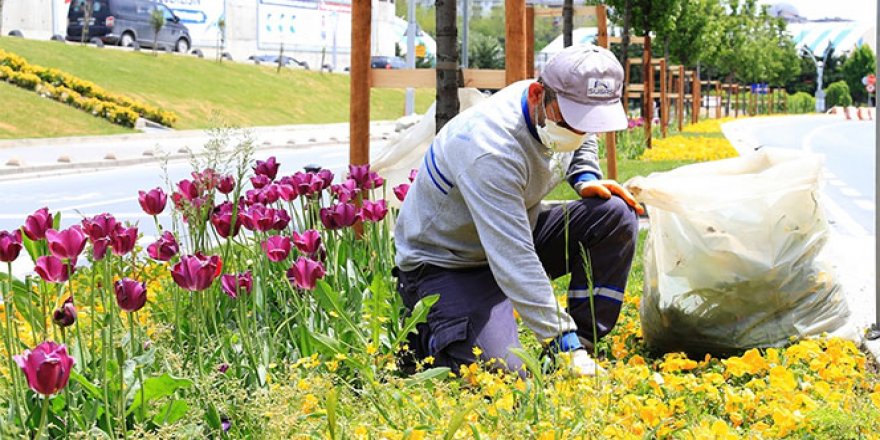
point(24, 114)
point(626, 169)
point(203, 92)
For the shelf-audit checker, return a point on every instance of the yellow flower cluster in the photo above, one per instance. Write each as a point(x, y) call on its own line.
point(707, 126)
point(689, 148)
point(79, 93)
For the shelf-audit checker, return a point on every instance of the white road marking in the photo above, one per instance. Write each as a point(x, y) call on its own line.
point(865, 204)
point(850, 192)
point(837, 182)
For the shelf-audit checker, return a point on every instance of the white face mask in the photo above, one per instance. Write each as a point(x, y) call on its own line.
point(556, 138)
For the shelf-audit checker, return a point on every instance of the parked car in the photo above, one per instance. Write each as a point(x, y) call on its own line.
point(273, 59)
point(382, 62)
point(126, 22)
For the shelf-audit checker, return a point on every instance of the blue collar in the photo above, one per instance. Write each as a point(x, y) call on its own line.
point(525, 112)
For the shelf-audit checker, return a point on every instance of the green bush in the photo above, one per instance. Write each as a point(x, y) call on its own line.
point(801, 102)
point(838, 94)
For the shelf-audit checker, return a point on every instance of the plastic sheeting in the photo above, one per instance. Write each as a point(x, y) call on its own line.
point(731, 256)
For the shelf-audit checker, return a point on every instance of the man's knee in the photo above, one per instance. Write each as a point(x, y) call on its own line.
point(614, 216)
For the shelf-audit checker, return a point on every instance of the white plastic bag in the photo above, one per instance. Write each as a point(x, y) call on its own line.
point(730, 260)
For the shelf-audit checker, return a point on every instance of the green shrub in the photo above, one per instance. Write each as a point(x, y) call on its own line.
point(837, 94)
point(801, 102)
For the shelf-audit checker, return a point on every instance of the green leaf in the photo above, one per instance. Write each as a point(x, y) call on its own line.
point(213, 417)
point(427, 375)
point(158, 387)
point(171, 412)
point(331, 412)
point(418, 316)
point(532, 363)
point(456, 421)
point(93, 391)
point(32, 248)
point(329, 299)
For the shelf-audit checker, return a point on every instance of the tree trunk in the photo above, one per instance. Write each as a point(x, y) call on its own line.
point(624, 39)
point(447, 63)
point(567, 22)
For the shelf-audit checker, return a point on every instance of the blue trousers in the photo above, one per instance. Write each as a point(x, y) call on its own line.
point(474, 312)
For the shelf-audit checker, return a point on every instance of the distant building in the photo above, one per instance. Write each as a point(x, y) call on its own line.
point(817, 35)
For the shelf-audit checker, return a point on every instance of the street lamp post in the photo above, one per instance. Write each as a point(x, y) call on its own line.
point(820, 69)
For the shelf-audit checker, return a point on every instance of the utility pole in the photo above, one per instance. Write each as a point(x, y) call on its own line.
point(447, 63)
point(411, 54)
point(465, 24)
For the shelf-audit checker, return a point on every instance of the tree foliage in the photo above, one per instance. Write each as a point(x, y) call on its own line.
point(837, 94)
point(858, 64)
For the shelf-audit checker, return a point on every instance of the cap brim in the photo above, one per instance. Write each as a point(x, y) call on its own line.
point(593, 118)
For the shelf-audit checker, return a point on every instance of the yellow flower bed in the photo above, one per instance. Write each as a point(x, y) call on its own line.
point(707, 126)
point(689, 148)
point(81, 94)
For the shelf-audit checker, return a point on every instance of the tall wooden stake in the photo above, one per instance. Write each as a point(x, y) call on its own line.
point(515, 40)
point(664, 99)
point(359, 107)
point(610, 137)
point(530, 42)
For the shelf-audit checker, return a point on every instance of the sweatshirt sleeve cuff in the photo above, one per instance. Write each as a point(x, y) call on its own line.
point(582, 179)
point(566, 342)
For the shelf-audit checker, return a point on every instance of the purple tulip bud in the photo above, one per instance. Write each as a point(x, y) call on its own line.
point(196, 272)
point(207, 180)
point(222, 368)
point(277, 248)
point(360, 174)
point(10, 245)
point(260, 181)
point(412, 175)
point(165, 248)
point(305, 273)
point(226, 184)
point(338, 216)
point(235, 284)
point(188, 189)
point(400, 191)
point(99, 227)
point(124, 239)
point(345, 191)
point(66, 244)
point(131, 295)
point(36, 224)
point(153, 202)
point(375, 181)
point(221, 218)
point(307, 184)
point(47, 367)
point(225, 424)
point(65, 315)
point(53, 269)
point(268, 168)
point(374, 211)
point(286, 192)
point(308, 242)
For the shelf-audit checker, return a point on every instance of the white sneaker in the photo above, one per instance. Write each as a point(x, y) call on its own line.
point(584, 365)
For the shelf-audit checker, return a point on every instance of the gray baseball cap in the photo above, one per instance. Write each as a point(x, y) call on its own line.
point(588, 81)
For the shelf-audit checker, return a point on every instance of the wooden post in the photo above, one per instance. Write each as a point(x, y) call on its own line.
point(736, 100)
point(664, 99)
point(530, 42)
point(679, 109)
point(648, 72)
point(784, 101)
point(610, 137)
point(359, 105)
point(718, 100)
point(695, 96)
point(772, 101)
point(515, 38)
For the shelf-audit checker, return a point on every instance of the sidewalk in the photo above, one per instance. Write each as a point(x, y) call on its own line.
point(29, 156)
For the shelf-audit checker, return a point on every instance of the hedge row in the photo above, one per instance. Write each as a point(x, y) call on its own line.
point(85, 95)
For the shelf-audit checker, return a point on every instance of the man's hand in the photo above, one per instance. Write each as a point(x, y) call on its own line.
point(606, 188)
point(583, 365)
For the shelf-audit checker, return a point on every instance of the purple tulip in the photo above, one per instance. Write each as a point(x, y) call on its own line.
point(287, 192)
point(53, 269)
point(196, 272)
point(206, 180)
point(65, 315)
point(326, 177)
point(10, 245)
point(221, 218)
point(339, 216)
point(153, 202)
point(234, 284)
point(360, 174)
point(99, 229)
point(345, 191)
point(165, 248)
point(374, 211)
point(268, 168)
point(222, 368)
point(131, 295)
point(261, 218)
point(277, 248)
point(36, 224)
point(400, 191)
point(308, 242)
point(259, 181)
point(47, 367)
point(124, 239)
point(307, 184)
point(375, 181)
point(226, 184)
point(188, 189)
point(225, 424)
point(305, 273)
point(66, 244)
point(412, 175)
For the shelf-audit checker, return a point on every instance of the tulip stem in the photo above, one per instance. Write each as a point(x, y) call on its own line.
point(106, 343)
point(43, 413)
point(9, 311)
point(140, 371)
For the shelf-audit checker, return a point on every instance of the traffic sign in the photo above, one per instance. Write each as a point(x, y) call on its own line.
point(870, 88)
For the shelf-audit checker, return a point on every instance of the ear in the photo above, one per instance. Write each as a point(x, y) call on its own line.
point(536, 93)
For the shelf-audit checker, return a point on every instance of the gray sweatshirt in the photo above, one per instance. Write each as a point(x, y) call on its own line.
point(476, 200)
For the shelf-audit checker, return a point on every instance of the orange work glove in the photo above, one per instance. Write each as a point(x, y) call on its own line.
point(606, 188)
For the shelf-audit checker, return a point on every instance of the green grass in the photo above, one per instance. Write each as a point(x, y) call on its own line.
point(626, 169)
point(204, 93)
point(24, 114)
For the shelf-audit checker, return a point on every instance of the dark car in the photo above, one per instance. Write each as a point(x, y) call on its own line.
point(273, 59)
point(383, 62)
point(126, 22)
